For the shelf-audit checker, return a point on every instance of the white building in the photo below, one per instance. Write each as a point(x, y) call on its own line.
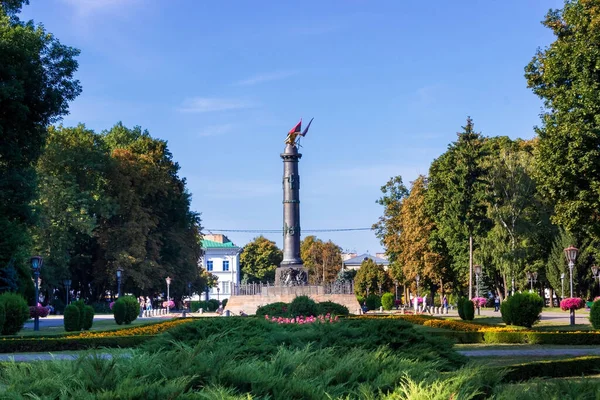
point(221, 258)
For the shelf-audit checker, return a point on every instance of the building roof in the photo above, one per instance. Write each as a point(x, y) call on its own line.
point(209, 244)
point(358, 260)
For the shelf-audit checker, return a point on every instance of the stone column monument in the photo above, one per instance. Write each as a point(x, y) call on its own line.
point(291, 271)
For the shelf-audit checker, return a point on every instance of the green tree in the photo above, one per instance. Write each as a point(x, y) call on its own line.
point(457, 199)
point(565, 76)
point(323, 260)
point(370, 278)
point(259, 259)
point(36, 84)
point(417, 255)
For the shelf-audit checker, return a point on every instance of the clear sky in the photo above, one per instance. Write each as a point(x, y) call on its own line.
point(389, 84)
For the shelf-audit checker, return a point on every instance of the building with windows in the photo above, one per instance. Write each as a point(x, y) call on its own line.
point(355, 261)
point(221, 257)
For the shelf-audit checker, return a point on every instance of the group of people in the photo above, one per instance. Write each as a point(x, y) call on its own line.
point(145, 304)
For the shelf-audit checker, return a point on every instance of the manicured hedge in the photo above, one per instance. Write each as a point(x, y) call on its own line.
point(553, 369)
point(558, 338)
point(63, 344)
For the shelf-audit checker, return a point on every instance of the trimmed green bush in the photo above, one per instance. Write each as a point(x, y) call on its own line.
point(303, 305)
point(387, 301)
point(468, 310)
point(460, 306)
point(224, 302)
point(333, 308)
point(595, 314)
point(373, 302)
point(88, 318)
point(26, 345)
point(522, 309)
point(553, 368)
point(81, 306)
point(213, 304)
point(72, 319)
point(2, 316)
point(16, 312)
point(126, 310)
point(279, 309)
point(197, 305)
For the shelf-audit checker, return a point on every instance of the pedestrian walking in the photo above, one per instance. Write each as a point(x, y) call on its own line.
point(496, 303)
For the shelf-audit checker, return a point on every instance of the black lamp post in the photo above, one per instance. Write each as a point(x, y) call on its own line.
point(562, 284)
point(571, 254)
point(396, 290)
point(67, 284)
point(119, 275)
point(218, 290)
point(36, 267)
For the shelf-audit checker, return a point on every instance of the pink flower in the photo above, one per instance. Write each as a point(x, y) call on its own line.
point(572, 303)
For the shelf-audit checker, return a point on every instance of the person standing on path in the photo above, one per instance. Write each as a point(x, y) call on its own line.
point(496, 303)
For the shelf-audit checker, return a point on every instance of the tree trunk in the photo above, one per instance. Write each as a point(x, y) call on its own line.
point(470, 266)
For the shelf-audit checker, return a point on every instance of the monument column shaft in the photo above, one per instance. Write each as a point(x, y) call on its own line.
point(291, 207)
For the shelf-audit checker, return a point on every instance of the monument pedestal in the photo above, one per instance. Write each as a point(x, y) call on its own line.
point(291, 275)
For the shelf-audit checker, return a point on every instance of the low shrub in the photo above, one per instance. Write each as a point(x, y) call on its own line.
point(88, 318)
point(224, 302)
point(279, 309)
point(126, 310)
point(195, 306)
point(553, 369)
point(468, 310)
point(2, 316)
point(72, 318)
point(16, 311)
point(460, 307)
point(387, 301)
point(595, 315)
point(38, 311)
point(53, 344)
point(80, 304)
point(522, 309)
point(303, 305)
point(373, 302)
point(213, 304)
point(329, 307)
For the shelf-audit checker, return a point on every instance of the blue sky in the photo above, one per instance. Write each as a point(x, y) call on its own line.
point(388, 82)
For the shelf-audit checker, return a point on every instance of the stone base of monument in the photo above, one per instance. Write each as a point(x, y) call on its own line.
point(291, 275)
point(262, 295)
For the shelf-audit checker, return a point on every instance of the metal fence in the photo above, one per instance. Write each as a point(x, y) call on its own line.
point(269, 289)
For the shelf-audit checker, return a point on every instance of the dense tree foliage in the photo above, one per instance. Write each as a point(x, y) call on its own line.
point(36, 84)
point(114, 200)
point(371, 278)
point(259, 259)
point(323, 260)
point(566, 76)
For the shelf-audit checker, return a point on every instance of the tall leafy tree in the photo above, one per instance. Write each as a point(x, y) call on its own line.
point(36, 84)
point(371, 278)
point(565, 75)
point(417, 255)
point(259, 259)
point(457, 198)
point(388, 229)
point(323, 260)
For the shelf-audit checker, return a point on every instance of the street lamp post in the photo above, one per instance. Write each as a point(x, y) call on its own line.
point(532, 278)
point(218, 290)
point(119, 275)
point(168, 280)
point(396, 290)
point(67, 284)
point(36, 266)
point(596, 273)
point(562, 284)
point(477, 275)
point(571, 254)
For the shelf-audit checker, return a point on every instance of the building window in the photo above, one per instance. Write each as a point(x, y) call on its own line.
point(225, 265)
point(209, 265)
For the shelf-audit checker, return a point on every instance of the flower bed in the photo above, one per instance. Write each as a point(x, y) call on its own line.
point(301, 320)
point(153, 329)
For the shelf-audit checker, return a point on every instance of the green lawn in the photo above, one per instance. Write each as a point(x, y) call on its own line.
point(101, 325)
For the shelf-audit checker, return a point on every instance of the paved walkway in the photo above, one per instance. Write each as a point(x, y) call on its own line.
point(43, 357)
